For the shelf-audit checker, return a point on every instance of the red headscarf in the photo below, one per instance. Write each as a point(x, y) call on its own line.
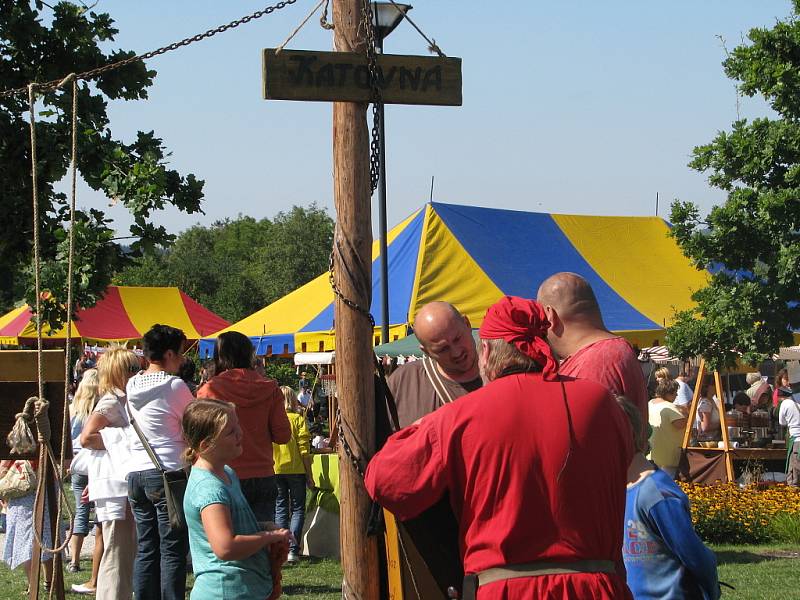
point(521, 322)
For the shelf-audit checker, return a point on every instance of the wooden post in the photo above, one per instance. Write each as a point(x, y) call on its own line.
point(701, 373)
point(354, 372)
point(724, 426)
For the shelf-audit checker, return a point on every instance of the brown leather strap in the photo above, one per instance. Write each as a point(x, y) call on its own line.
point(544, 568)
point(432, 371)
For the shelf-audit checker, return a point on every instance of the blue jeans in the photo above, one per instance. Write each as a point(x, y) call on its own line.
point(260, 494)
point(291, 500)
point(160, 569)
point(81, 526)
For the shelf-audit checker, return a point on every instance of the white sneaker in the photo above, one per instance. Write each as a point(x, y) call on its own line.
point(79, 588)
point(292, 558)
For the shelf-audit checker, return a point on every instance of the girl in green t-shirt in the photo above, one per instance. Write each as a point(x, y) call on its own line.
point(230, 552)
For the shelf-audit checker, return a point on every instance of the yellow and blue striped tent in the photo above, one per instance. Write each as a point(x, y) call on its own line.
point(471, 256)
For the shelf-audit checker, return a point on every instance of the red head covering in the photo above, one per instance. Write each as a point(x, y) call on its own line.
point(521, 322)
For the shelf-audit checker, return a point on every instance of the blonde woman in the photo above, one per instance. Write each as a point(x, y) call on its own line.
point(82, 405)
point(668, 424)
point(293, 473)
point(104, 432)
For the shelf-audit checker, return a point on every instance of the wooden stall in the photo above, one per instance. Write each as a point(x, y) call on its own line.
point(701, 464)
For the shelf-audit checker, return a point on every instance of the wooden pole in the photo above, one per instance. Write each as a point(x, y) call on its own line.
point(352, 264)
point(724, 426)
point(701, 373)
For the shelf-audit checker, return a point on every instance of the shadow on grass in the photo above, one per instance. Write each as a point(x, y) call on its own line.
point(310, 589)
point(736, 557)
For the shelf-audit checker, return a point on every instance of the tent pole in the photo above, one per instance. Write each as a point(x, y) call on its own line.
point(352, 272)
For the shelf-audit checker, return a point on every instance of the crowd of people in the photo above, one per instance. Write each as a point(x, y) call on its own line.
point(538, 438)
point(758, 405)
point(134, 421)
point(541, 440)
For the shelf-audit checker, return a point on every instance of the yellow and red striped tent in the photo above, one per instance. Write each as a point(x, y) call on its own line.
point(123, 314)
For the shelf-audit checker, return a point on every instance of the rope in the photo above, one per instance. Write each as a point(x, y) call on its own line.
point(432, 46)
point(40, 405)
point(302, 23)
point(91, 74)
point(37, 266)
point(20, 439)
point(68, 344)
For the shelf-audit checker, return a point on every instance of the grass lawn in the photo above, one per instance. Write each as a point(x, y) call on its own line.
point(757, 572)
point(310, 579)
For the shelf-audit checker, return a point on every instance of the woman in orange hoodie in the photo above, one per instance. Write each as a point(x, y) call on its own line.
point(259, 406)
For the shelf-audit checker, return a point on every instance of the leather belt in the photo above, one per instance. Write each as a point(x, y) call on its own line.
point(544, 568)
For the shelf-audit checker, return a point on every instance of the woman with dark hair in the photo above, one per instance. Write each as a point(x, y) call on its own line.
point(782, 388)
point(157, 400)
point(259, 406)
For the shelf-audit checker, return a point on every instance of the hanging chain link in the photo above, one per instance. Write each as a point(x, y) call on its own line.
point(86, 75)
point(338, 292)
point(374, 148)
point(370, 47)
point(356, 460)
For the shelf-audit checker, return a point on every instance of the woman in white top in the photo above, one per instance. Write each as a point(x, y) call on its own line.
point(789, 416)
point(104, 433)
point(157, 400)
point(708, 421)
point(82, 405)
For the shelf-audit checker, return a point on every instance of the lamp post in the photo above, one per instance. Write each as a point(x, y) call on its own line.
point(385, 16)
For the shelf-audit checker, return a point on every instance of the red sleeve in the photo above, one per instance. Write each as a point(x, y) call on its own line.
point(279, 428)
point(204, 391)
point(408, 475)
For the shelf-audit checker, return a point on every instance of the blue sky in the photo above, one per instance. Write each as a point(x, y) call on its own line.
point(571, 107)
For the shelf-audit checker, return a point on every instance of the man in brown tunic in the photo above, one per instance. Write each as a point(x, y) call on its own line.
point(449, 369)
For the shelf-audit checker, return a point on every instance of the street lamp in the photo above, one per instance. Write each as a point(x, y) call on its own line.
point(385, 17)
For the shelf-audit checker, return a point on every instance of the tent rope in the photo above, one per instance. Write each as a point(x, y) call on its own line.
point(40, 405)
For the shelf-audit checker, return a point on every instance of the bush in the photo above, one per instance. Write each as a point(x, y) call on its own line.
point(785, 527)
point(282, 371)
point(725, 513)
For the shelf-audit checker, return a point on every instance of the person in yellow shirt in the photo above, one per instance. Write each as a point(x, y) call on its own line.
point(668, 424)
point(293, 474)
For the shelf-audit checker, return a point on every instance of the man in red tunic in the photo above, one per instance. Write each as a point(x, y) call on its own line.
point(535, 465)
point(586, 349)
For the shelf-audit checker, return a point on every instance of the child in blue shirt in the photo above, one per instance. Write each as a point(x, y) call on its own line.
point(664, 557)
point(229, 555)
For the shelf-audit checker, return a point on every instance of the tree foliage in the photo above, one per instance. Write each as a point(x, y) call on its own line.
point(42, 43)
point(751, 243)
point(237, 266)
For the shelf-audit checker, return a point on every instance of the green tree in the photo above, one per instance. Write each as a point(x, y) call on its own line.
point(41, 43)
point(237, 266)
point(751, 243)
point(296, 251)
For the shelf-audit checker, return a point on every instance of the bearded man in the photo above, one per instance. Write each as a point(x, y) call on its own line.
point(535, 466)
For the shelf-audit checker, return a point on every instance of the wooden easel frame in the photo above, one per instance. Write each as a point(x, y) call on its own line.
point(687, 434)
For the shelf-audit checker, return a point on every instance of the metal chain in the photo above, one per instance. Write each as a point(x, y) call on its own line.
point(338, 292)
point(356, 461)
point(377, 98)
point(51, 85)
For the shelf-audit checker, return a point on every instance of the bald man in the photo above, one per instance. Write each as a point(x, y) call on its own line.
point(449, 369)
point(586, 349)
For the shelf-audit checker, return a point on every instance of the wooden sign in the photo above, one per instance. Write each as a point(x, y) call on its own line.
point(344, 77)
